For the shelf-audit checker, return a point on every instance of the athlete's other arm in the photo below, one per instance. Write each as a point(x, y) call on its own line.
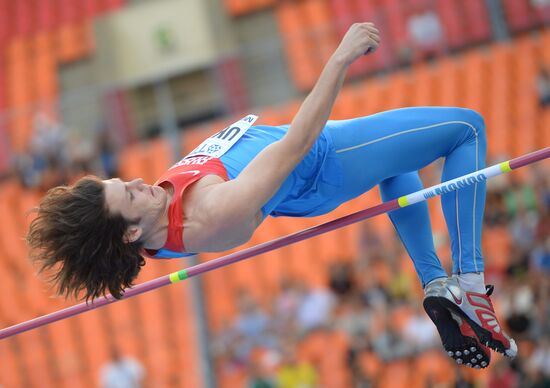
point(232, 207)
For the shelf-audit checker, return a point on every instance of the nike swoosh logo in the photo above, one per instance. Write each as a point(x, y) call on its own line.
point(194, 172)
point(457, 300)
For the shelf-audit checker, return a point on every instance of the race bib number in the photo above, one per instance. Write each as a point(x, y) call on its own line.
point(217, 145)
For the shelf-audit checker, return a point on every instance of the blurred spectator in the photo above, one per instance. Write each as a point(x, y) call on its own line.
point(315, 308)
point(225, 346)
point(259, 377)
point(341, 280)
point(389, 344)
point(522, 228)
point(286, 305)
point(495, 207)
point(419, 330)
point(121, 372)
point(543, 86)
point(425, 33)
point(252, 324)
point(519, 196)
point(370, 243)
point(539, 362)
point(107, 151)
point(354, 319)
point(503, 376)
point(519, 307)
point(294, 373)
point(540, 257)
point(48, 143)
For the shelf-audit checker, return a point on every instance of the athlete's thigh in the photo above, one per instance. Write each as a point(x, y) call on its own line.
point(373, 148)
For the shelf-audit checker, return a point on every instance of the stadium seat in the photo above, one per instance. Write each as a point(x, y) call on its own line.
point(433, 367)
point(66, 354)
point(478, 27)
point(499, 117)
point(34, 352)
point(518, 14)
point(23, 21)
point(396, 374)
point(476, 72)
point(95, 340)
point(452, 25)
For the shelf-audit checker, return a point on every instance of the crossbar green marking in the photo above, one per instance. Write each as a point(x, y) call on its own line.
point(178, 276)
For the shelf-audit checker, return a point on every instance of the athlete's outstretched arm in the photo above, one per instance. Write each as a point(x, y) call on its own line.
point(242, 198)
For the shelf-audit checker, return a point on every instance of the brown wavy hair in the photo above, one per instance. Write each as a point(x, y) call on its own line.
point(81, 242)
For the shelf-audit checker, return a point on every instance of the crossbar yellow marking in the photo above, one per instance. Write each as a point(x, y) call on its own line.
point(403, 201)
point(178, 276)
point(505, 166)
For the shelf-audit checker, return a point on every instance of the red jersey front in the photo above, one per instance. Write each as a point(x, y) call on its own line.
point(180, 176)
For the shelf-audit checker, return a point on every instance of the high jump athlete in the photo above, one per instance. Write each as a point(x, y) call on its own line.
point(95, 233)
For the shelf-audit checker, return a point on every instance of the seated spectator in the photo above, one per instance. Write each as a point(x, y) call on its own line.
point(121, 372)
point(503, 376)
point(315, 309)
point(543, 86)
point(419, 331)
point(286, 305)
point(519, 307)
point(259, 377)
point(425, 33)
point(252, 323)
point(341, 280)
point(539, 362)
point(496, 213)
point(540, 257)
point(295, 373)
point(519, 196)
point(389, 344)
point(354, 319)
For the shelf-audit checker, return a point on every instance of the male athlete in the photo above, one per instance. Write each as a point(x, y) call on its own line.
point(95, 232)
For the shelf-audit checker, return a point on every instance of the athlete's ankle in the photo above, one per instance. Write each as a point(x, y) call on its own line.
point(439, 278)
point(472, 282)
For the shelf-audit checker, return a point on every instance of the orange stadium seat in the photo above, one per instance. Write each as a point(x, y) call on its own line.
point(35, 356)
point(423, 86)
point(499, 116)
point(243, 7)
point(519, 14)
point(497, 247)
point(302, 63)
point(322, 34)
point(46, 15)
point(432, 367)
point(479, 23)
point(20, 91)
point(476, 72)
point(447, 81)
point(95, 339)
point(452, 25)
point(66, 355)
point(12, 373)
point(396, 374)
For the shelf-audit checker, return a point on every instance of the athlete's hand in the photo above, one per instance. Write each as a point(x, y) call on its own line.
point(361, 39)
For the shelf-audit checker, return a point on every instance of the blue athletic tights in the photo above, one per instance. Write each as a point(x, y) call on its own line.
point(389, 148)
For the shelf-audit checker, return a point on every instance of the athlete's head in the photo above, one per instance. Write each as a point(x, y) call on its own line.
point(91, 235)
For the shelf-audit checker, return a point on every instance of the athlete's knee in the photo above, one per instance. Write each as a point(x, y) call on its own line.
point(475, 120)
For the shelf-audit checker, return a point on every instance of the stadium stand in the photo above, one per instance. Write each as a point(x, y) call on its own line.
point(71, 353)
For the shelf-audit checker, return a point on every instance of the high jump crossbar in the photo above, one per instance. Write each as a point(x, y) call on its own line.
point(406, 200)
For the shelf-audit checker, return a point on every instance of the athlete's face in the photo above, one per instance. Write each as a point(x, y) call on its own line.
point(136, 201)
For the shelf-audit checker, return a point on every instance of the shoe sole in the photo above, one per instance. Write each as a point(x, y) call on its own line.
point(463, 349)
point(484, 335)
